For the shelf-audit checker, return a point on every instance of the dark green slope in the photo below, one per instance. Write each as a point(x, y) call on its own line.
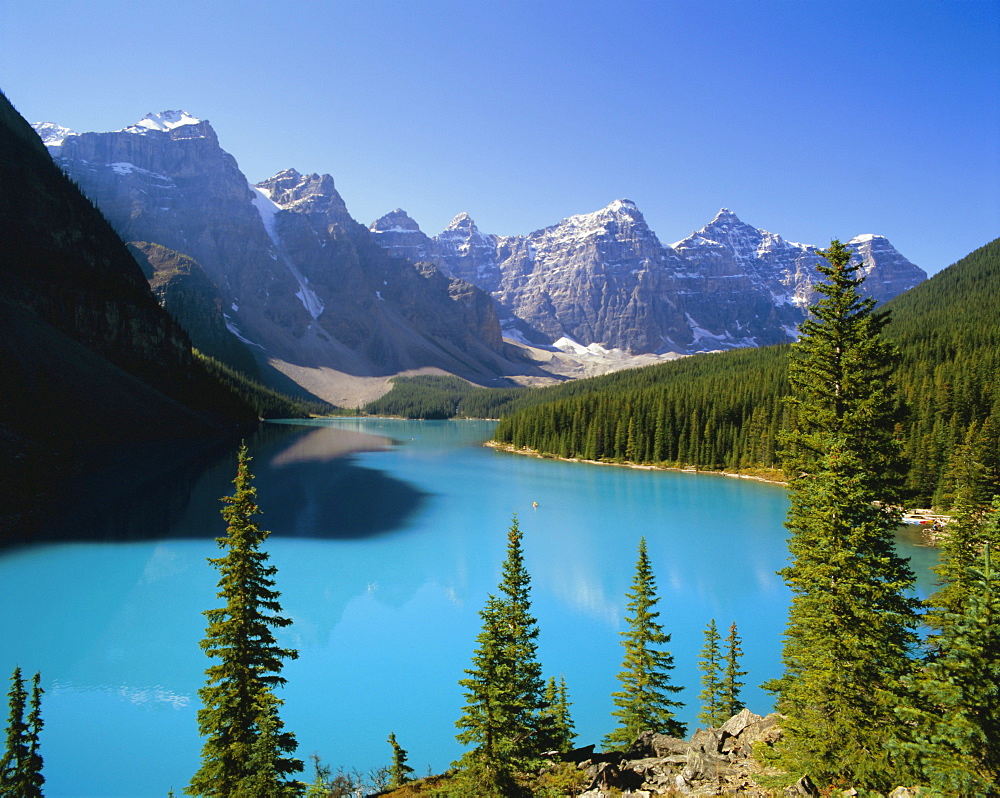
point(186, 292)
point(87, 355)
point(724, 410)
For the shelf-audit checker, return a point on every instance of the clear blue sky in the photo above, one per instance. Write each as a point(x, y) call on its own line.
point(814, 119)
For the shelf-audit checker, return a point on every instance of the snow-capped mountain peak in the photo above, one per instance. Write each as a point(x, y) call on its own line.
point(51, 134)
point(397, 221)
point(462, 224)
point(163, 121)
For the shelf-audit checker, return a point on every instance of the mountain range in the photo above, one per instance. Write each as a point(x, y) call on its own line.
point(605, 277)
point(310, 293)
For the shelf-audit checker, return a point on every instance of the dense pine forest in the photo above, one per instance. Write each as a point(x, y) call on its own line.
point(724, 411)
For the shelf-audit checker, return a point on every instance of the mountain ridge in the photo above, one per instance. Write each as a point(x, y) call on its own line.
point(302, 282)
point(306, 287)
point(604, 277)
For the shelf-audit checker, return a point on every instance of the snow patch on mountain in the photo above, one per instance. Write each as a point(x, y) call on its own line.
point(310, 301)
point(52, 135)
point(231, 326)
point(163, 122)
point(267, 208)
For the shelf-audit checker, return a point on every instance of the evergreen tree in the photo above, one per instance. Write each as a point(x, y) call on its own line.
point(643, 703)
point(710, 665)
point(556, 728)
point(975, 524)
point(239, 708)
point(21, 764)
point(850, 625)
point(504, 686)
point(35, 779)
point(954, 718)
point(262, 779)
point(400, 772)
point(731, 685)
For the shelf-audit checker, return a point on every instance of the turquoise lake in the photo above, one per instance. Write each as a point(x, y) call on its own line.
point(384, 558)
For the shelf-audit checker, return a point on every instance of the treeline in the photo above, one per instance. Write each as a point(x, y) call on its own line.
point(267, 402)
point(436, 397)
point(726, 410)
point(722, 411)
point(948, 332)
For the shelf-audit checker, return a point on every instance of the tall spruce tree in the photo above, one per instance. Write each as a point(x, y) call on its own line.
point(503, 691)
point(643, 703)
point(850, 623)
point(953, 722)
point(239, 718)
point(731, 685)
point(710, 665)
point(21, 764)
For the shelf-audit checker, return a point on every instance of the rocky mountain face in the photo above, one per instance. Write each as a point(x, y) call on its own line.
point(88, 356)
point(189, 295)
point(309, 290)
point(302, 284)
point(605, 278)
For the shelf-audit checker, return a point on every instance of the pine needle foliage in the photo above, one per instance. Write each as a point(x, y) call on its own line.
point(504, 687)
point(400, 772)
point(245, 745)
point(556, 728)
point(643, 703)
point(850, 623)
point(731, 684)
point(975, 525)
point(954, 717)
point(710, 665)
point(21, 764)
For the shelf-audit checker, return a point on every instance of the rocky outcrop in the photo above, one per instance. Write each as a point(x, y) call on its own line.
point(723, 761)
point(713, 762)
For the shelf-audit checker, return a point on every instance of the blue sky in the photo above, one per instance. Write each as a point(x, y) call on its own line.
point(812, 119)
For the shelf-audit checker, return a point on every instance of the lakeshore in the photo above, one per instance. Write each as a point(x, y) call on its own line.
point(931, 523)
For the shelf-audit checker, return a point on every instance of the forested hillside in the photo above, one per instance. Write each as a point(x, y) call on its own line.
point(723, 411)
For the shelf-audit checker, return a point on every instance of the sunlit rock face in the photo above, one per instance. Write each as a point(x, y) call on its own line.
point(605, 278)
point(301, 282)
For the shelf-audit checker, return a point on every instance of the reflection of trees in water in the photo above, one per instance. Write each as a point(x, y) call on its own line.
point(143, 491)
point(133, 492)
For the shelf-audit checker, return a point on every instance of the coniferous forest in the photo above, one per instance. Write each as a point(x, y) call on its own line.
point(725, 411)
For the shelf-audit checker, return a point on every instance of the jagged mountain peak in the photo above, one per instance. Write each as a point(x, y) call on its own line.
point(621, 212)
point(462, 223)
point(290, 188)
point(163, 121)
point(622, 205)
point(397, 221)
point(728, 231)
point(51, 134)
point(725, 219)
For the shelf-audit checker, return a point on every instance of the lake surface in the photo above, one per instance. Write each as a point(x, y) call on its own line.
point(385, 558)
